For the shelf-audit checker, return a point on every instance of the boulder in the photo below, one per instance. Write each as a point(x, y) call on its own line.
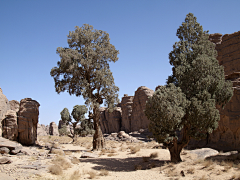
point(13, 146)
point(4, 150)
point(53, 129)
point(138, 118)
point(5, 160)
point(41, 130)
point(4, 107)
point(10, 126)
point(27, 121)
point(204, 152)
point(126, 104)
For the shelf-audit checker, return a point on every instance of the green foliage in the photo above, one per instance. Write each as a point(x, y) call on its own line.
point(165, 110)
point(63, 131)
point(65, 116)
point(196, 86)
point(84, 69)
point(78, 112)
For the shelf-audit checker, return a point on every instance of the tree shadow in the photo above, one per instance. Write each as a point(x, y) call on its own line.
point(123, 164)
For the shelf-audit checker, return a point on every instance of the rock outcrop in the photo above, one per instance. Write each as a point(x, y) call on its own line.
point(4, 107)
point(126, 104)
point(53, 129)
point(138, 118)
point(110, 122)
point(14, 105)
point(27, 121)
point(10, 126)
point(41, 130)
point(129, 115)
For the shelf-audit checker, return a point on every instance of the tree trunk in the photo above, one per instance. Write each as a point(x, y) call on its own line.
point(175, 150)
point(176, 147)
point(98, 140)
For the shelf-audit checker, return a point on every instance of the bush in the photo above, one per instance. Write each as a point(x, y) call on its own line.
point(63, 131)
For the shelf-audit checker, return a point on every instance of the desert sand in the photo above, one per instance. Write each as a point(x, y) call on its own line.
point(119, 161)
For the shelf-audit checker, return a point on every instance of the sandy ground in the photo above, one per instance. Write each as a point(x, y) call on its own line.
point(118, 162)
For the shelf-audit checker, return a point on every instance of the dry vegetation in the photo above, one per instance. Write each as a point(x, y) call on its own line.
point(142, 156)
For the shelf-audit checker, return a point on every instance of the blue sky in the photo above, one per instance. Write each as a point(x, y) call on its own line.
point(143, 31)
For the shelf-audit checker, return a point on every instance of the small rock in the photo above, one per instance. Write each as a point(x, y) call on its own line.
point(5, 160)
point(4, 150)
point(204, 152)
point(88, 155)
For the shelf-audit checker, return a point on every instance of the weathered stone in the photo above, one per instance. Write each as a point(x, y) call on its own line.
point(27, 121)
point(53, 129)
point(138, 118)
point(4, 150)
point(110, 122)
point(11, 145)
point(5, 160)
point(10, 126)
point(204, 152)
point(126, 104)
point(4, 107)
point(41, 130)
point(14, 105)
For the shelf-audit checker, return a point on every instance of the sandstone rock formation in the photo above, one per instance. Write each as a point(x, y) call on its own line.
point(128, 115)
point(4, 107)
point(138, 118)
point(126, 104)
point(10, 126)
point(41, 130)
point(53, 129)
point(27, 121)
point(110, 122)
point(14, 105)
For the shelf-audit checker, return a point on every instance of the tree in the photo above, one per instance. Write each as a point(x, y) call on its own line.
point(84, 70)
point(78, 113)
point(197, 84)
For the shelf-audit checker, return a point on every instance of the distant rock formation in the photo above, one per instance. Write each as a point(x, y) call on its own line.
point(41, 130)
point(14, 105)
point(4, 107)
point(10, 126)
point(27, 121)
point(53, 129)
point(129, 115)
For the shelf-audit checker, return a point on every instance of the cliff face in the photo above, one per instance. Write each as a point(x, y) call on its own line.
point(227, 135)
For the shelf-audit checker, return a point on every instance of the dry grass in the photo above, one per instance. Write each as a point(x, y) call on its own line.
point(134, 149)
point(123, 148)
point(111, 154)
point(75, 160)
point(62, 162)
point(57, 151)
point(103, 172)
point(83, 141)
point(172, 173)
point(52, 139)
point(154, 155)
point(191, 170)
point(138, 167)
point(92, 174)
point(76, 175)
point(88, 146)
point(55, 169)
point(203, 178)
point(67, 152)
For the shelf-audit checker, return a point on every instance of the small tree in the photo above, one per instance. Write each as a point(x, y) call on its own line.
point(78, 113)
point(63, 131)
point(84, 70)
point(188, 101)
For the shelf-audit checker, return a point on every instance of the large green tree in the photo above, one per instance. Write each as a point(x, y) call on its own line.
point(84, 70)
point(197, 84)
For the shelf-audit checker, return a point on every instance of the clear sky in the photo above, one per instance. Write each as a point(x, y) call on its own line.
point(143, 31)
